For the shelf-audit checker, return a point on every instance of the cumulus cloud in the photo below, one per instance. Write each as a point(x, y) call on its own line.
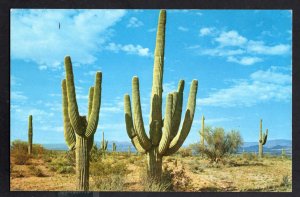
point(237, 48)
point(36, 36)
point(134, 22)
point(206, 31)
point(231, 38)
point(129, 49)
point(261, 86)
point(244, 60)
point(260, 48)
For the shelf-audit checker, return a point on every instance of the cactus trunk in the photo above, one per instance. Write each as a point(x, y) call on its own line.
point(30, 135)
point(82, 163)
point(202, 132)
point(165, 136)
point(154, 164)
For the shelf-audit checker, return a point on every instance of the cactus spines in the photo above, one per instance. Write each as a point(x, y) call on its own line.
point(262, 140)
point(202, 132)
point(165, 135)
point(30, 134)
point(79, 130)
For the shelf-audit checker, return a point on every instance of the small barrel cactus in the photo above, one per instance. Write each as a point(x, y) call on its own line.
point(79, 130)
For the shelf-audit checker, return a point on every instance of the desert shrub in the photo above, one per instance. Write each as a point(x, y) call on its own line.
point(36, 171)
point(285, 181)
point(66, 170)
point(185, 152)
point(249, 156)
point(62, 164)
point(108, 175)
point(219, 144)
point(21, 158)
point(165, 184)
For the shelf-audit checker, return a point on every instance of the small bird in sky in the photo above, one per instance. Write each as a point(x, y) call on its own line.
point(59, 25)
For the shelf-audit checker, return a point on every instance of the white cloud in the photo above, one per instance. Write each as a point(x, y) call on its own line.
point(260, 48)
point(199, 13)
point(262, 86)
point(42, 67)
point(129, 49)
point(134, 22)
point(205, 31)
point(231, 38)
point(36, 36)
point(181, 28)
point(17, 95)
point(222, 52)
point(14, 81)
point(244, 60)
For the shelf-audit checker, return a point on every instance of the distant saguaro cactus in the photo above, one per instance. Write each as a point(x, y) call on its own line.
point(79, 130)
point(30, 135)
point(202, 132)
point(114, 147)
point(164, 136)
point(103, 144)
point(262, 140)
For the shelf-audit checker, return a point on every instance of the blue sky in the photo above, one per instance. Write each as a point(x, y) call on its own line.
point(241, 58)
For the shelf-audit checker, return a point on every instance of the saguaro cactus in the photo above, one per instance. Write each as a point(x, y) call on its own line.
point(262, 140)
point(165, 139)
point(114, 147)
point(30, 135)
point(103, 144)
point(79, 130)
point(202, 132)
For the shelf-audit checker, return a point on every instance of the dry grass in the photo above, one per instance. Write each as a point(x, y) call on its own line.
point(187, 173)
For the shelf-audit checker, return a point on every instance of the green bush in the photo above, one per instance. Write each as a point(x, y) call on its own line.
point(185, 152)
point(108, 175)
point(219, 144)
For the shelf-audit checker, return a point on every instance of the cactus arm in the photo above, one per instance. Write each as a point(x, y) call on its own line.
point(129, 125)
point(156, 97)
point(166, 136)
point(177, 109)
point(90, 104)
point(188, 120)
point(128, 117)
point(94, 116)
point(138, 119)
point(265, 138)
point(71, 95)
point(155, 133)
point(68, 130)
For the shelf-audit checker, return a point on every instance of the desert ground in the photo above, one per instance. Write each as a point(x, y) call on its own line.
point(55, 171)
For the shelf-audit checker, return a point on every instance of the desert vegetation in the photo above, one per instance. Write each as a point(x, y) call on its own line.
point(159, 162)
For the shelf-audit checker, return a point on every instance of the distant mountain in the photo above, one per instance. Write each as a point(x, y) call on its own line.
point(271, 143)
point(121, 146)
point(272, 146)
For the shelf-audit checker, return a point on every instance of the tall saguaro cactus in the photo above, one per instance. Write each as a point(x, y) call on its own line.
point(114, 147)
point(79, 130)
point(165, 139)
point(262, 140)
point(30, 134)
point(202, 132)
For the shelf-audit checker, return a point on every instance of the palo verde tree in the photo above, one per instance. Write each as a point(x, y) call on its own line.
point(262, 140)
point(165, 139)
point(79, 130)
